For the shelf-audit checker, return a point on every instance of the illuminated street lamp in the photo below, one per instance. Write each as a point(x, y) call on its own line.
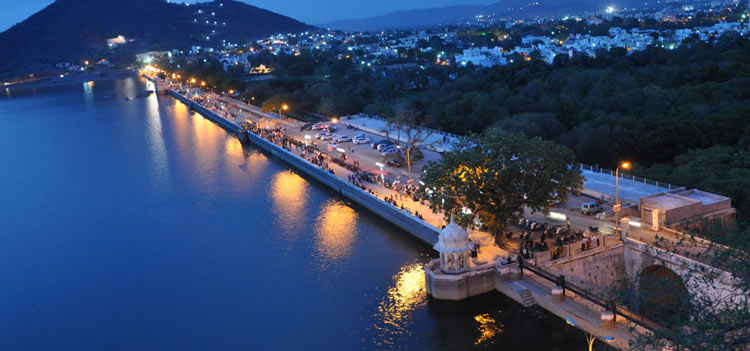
point(590, 337)
point(192, 81)
point(624, 165)
point(284, 107)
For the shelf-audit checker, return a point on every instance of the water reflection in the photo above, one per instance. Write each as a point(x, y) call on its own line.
point(233, 147)
point(88, 91)
point(395, 311)
point(161, 176)
point(336, 230)
point(488, 328)
point(289, 197)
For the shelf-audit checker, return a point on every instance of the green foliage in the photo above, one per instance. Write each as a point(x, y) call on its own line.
point(496, 175)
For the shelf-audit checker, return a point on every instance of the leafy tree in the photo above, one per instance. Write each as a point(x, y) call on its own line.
point(494, 176)
point(410, 134)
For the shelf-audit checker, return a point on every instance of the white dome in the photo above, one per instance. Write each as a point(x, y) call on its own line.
point(453, 239)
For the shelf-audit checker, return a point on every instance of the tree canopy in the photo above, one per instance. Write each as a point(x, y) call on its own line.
point(490, 178)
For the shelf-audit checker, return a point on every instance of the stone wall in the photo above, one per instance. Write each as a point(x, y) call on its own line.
point(458, 286)
point(699, 279)
point(595, 270)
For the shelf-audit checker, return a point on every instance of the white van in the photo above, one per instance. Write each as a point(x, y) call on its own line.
point(591, 207)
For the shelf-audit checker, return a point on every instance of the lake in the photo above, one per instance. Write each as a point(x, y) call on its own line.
point(139, 225)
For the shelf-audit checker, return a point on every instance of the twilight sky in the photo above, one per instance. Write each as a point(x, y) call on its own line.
point(310, 11)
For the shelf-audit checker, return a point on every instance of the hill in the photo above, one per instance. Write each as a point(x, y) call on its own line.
point(457, 14)
point(73, 30)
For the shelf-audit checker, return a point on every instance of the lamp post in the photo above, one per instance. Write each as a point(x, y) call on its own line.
point(284, 107)
point(589, 336)
point(623, 165)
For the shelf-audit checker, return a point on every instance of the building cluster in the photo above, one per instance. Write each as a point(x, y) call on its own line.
point(632, 40)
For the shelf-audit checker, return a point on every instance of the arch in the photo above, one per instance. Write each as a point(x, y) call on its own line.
point(662, 295)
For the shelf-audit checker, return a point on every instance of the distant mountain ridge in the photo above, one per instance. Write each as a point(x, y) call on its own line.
point(71, 30)
point(409, 19)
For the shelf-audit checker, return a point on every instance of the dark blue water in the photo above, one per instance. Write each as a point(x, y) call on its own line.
point(142, 226)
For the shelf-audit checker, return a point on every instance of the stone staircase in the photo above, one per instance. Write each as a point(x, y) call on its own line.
point(526, 299)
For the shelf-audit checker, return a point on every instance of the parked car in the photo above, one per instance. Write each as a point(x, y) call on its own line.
point(361, 140)
point(376, 145)
point(360, 135)
point(320, 135)
point(591, 207)
point(343, 138)
point(334, 144)
point(326, 136)
point(393, 162)
point(382, 147)
point(389, 152)
point(319, 126)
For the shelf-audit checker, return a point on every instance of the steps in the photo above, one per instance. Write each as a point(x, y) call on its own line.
point(526, 299)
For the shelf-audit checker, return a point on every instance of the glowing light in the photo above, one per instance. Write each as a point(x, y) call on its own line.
point(558, 216)
point(488, 328)
point(289, 194)
point(336, 229)
point(405, 296)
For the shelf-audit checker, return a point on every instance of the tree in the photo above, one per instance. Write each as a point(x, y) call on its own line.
point(491, 178)
point(327, 107)
point(404, 121)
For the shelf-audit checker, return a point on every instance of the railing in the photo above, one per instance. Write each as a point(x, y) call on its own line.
point(631, 316)
point(629, 177)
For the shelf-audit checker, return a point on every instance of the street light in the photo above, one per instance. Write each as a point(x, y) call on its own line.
point(623, 165)
point(284, 107)
point(590, 337)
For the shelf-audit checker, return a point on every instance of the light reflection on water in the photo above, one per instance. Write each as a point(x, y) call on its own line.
point(336, 231)
point(488, 328)
point(394, 316)
point(289, 197)
point(161, 175)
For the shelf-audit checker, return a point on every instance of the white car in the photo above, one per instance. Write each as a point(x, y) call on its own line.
point(343, 138)
point(326, 136)
point(388, 152)
point(334, 144)
point(362, 140)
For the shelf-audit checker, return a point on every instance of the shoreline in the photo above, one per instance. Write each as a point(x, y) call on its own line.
point(76, 78)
